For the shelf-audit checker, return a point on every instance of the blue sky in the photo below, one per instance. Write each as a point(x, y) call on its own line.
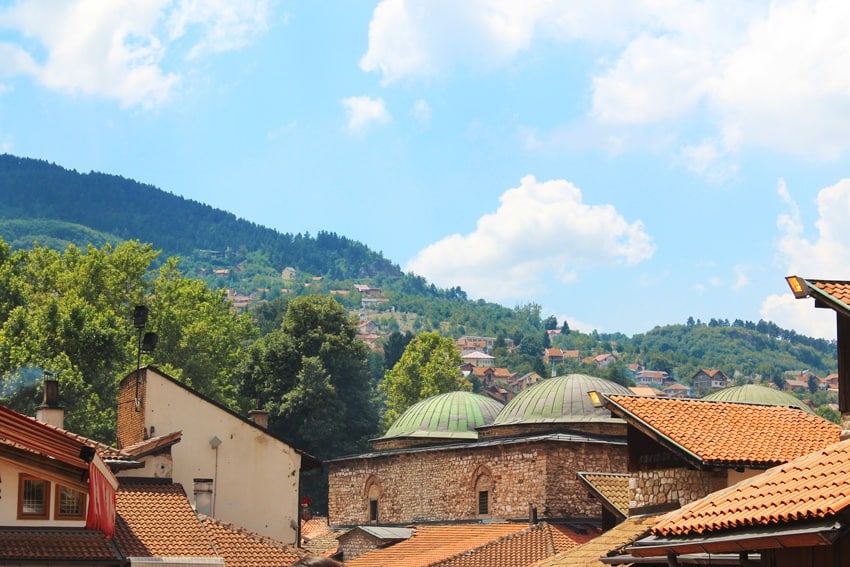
point(624, 164)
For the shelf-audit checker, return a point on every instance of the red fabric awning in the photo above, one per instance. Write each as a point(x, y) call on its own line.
point(102, 487)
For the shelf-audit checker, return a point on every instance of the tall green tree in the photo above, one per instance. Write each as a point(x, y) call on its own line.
point(314, 355)
point(429, 366)
point(70, 313)
point(201, 337)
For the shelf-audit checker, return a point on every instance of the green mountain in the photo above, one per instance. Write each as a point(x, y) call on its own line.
point(45, 203)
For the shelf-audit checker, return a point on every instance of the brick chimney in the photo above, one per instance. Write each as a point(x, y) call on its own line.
point(260, 417)
point(50, 411)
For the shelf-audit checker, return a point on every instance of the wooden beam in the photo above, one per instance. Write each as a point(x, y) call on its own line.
point(843, 332)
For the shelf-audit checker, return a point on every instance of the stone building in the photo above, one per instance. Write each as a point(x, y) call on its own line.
point(452, 458)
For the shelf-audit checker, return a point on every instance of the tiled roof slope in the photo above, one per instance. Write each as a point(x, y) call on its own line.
point(521, 549)
point(816, 486)
point(55, 544)
point(156, 520)
point(613, 487)
point(729, 434)
point(243, 548)
point(431, 544)
point(588, 554)
point(839, 290)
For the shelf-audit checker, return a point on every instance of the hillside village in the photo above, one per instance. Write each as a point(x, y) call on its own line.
point(570, 470)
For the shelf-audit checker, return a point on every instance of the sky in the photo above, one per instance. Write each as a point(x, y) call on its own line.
point(623, 164)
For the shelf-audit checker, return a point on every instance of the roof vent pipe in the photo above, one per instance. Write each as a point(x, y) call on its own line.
point(50, 411)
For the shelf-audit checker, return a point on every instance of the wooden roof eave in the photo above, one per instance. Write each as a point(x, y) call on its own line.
point(634, 421)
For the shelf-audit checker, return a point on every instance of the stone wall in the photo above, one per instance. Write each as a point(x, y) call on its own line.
point(356, 542)
point(678, 486)
point(439, 484)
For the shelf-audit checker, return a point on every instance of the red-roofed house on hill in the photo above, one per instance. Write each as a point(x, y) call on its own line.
point(710, 379)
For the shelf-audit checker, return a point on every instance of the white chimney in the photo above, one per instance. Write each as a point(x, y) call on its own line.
point(50, 411)
point(203, 495)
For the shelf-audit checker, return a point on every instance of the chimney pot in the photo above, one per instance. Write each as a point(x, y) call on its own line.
point(50, 411)
point(260, 417)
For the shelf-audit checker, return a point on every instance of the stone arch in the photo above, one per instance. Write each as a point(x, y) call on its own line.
point(372, 493)
point(482, 491)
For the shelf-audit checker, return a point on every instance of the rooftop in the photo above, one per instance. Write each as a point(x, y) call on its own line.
point(454, 415)
point(727, 434)
point(756, 394)
point(815, 486)
point(559, 399)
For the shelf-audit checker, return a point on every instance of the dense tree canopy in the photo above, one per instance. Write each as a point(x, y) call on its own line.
point(313, 368)
point(70, 313)
point(430, 365)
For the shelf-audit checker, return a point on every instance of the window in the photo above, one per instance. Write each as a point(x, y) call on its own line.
point(33, 498)
point(373, 510)
point(70, 504)
point(483, 502)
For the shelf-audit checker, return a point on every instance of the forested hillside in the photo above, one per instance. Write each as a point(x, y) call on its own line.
point(45, 203)
point(125, 209)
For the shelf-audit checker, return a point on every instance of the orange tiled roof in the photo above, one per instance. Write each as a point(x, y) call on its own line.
point(430, 544)
point(588, 554)
point(840, 290)
point(55, 544)
point(531, 545)
point(815, 486)
point(156, 519)
point(243, 548)
point(613, 487)
point(729, 434)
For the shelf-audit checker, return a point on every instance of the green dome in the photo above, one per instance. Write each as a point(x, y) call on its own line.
point(755, 394)
point(454, 415)
point(560, 399)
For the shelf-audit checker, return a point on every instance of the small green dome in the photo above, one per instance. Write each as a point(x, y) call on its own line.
point(755, 394)
point(453, 415)
point(560, 399)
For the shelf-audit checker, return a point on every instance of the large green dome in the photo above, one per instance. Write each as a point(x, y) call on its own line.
point(454, 415)
point(560, 400)
point(755, 394)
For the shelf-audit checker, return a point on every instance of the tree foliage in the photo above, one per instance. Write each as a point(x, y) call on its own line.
point(314, 352)
point(70, 312)
point(430, 365)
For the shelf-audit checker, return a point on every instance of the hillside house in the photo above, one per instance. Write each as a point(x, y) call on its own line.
point(710, 379)
point(229, 455)
point(288, 274)
point(676, 390)
point(477, 358)
point(652, 378)
point(367, 290)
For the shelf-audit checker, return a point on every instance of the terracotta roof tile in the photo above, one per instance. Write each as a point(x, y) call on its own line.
point(729, 434)
point(156, 520)
point(520, 549)
point(840, 290)
point(588, 554)
point(243, 548)
point(815, 486)
point(55, 544)
point(430, 544)
point(613, 487)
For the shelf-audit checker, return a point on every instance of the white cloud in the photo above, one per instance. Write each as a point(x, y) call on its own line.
point(764, 74)
point(116, 50)
point(363, 112)
point(827, 256)
point(541, 231)
point(421, 112)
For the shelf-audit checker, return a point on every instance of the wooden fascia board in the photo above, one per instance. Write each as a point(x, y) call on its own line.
point(634, 421)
